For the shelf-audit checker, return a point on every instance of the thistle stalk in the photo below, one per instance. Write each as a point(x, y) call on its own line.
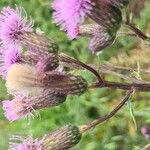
point(137, 31)
point(105, 118)
point(67, 59)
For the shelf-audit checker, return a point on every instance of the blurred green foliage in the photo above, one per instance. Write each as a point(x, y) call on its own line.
point(119, 132)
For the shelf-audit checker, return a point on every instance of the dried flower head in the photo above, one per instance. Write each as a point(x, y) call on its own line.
point(7, 58)
point(63, 138)
point(13, 24)
point(69, 14)
point(23, 106)
point(23, 78)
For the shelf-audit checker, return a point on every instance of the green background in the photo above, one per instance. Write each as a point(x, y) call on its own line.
point(119, 132)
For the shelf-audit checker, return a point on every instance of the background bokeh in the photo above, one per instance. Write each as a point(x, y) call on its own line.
point(118, 133)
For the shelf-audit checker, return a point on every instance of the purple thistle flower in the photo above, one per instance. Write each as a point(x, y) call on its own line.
point(7, 58)
point(100, 37)
point(16, 108)
point(13, 24)
point(23, 106)
point(70, 13)
point(12, 56)
point(25, 143)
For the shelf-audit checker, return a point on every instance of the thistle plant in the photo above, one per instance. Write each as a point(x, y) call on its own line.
point(30, 64)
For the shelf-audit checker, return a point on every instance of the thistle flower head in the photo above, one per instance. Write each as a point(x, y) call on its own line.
point(22, 143)
point(8, 57)
point(43, 60)
point(101, 39)
point(23, 77)
point(70, 13)
point(63, 138)
point(23, 106)
point(13, 24)
point(12, 56)
point(100, 36)
point(16, 108)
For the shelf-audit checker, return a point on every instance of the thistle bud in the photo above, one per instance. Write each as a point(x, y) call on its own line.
point(23, 78)
point(100, 37)
point(37, 41)
point(42, 50)
point(61, 139)
point(99, 42)
point(106, 15)
point(23, 106)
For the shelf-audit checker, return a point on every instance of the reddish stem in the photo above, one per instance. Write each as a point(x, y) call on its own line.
point(138, 32)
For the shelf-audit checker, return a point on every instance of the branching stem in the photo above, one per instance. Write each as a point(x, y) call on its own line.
point(68, 59)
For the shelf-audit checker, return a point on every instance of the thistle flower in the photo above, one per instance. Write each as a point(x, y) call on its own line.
point(100, 36)
point(43, 51)
point(26, 143)
point(23, 106)
point(23, 78)
point(63, 138)
point(16, 29)
point(7, 58)
point(69, 14)
point(13, 24)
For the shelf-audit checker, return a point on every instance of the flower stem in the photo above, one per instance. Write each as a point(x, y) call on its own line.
point(138, 32)
point(68, 59)
point(100, 120)
point(125, 34)
point(123, 86)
